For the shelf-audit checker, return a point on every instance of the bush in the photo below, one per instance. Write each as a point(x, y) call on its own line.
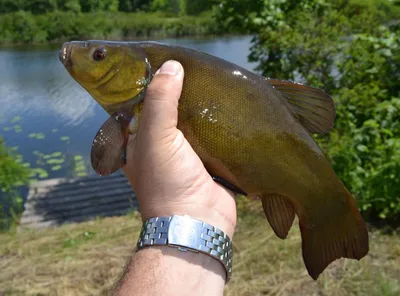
point(99, 5)
point(59, 26)
point(350, 48)
point(21, 27)
point(12, 175)
point(7, 6)
point(70, 5)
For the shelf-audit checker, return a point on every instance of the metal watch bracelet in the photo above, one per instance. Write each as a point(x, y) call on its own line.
point(188, 234)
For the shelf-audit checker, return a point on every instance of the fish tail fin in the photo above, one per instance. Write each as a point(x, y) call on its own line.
point(280, 213)
point(342, 236)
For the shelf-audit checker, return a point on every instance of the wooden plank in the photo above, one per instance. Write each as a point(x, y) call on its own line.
point(127, 200)
point(58, 201)
point(78, 215)
point(52, 200)
point(67, 181)
point(120, 198)
point(72, 188)
point(57, 192)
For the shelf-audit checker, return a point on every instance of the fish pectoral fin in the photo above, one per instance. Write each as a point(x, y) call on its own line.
point(343, 236)
point(313, 107)
point(279, 212)
point(228, 185)
point(109, 145)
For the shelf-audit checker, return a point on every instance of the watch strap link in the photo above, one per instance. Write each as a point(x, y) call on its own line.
point(188, 234)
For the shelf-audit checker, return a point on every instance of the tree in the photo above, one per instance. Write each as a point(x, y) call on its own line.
point(141, 5)
point(99, 5)
point(350, 48)
point(7, 6)
point(174, 6)
point(40, 6)
point(70, 5)
point(125, 5)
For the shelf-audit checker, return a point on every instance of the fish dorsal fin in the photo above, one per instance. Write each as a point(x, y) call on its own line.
point(313, 107)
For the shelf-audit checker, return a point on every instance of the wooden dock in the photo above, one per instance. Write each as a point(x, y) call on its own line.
point(69, 200)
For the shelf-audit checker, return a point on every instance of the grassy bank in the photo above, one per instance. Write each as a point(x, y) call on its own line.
point(87, 258)
point(58, 26)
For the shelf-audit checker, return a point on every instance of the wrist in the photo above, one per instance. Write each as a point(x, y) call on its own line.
point(168, 267)
point(196, 211)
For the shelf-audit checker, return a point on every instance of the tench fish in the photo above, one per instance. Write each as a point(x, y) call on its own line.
point(253, 134)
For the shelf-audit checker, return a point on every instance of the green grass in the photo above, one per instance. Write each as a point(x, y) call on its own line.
point(87, 258)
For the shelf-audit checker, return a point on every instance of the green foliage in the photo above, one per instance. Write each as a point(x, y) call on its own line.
point(174, 6)
point(40, 6)
point(240, 15)
point(190, 7)
point(99, 5)
point(369, 114)
point(12, 175)
point(37, 21)
point(23, 27)
point(134, 5)
point(193, 7)
point(125, 5)
point(7, 6)
point(70, 5)
point(352, 50)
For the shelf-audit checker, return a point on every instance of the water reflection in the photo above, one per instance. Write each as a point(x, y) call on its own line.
point(34, 83)
point(35, 87)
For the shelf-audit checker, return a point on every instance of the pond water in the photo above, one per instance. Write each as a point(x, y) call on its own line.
point(51, 119)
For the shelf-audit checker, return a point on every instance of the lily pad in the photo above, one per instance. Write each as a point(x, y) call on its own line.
point(56, 168)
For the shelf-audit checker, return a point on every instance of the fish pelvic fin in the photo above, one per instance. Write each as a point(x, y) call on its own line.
point(345, 236)
point(279, 212)
point(109, 145)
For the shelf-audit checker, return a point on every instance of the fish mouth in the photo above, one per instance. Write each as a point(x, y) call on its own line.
point(65, 54)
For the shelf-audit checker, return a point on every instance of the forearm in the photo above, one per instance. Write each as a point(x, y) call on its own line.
point(167, 271)
point(170, 179)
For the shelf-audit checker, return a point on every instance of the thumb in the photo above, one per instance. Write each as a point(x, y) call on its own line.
point(160, 110)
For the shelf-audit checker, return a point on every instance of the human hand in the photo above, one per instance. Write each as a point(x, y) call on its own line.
point(165, 172)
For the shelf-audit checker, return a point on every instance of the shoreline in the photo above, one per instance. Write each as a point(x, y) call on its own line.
point(56, 44)
point(24, 28)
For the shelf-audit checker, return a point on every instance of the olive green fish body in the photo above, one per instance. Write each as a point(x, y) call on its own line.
point(241, 129)
point(253, 132)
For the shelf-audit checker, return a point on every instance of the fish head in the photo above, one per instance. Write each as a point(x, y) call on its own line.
point(114, 73)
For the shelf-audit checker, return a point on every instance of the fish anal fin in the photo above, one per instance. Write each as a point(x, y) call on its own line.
point(279, 212)
point(109, 145)
point(312, 107)
point(345, 237)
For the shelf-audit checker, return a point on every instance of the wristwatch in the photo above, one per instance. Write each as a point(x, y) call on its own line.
point(188, 234)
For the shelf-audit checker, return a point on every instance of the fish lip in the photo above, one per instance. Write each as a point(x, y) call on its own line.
point(65, 55)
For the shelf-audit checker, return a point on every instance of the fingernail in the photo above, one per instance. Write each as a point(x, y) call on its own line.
point(170, 68)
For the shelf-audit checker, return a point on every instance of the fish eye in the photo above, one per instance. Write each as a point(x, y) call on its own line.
point(99, 54)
